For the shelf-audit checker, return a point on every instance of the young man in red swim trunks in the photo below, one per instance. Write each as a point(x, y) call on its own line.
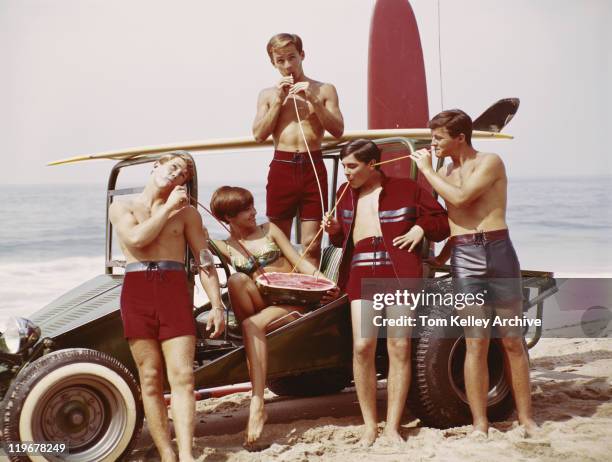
point(292, 185)
point(156, 308)
point(474, 187)
point(380, 223)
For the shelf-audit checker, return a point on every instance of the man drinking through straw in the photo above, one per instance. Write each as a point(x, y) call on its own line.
point(296, 112)
point(483, 260)
point(380, 224)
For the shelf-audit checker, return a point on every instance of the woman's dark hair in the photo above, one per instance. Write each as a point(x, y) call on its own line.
point(229, 201)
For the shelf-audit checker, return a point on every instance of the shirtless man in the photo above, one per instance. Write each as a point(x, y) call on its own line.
point(380, 224)
point(474, 189)
point(156, 308)
point(292, 184)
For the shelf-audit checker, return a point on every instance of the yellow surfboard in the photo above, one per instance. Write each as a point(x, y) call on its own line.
point(248, 142)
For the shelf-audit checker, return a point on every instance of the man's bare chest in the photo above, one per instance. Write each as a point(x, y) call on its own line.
point(172, 229)
point(367, 207)
point(305, 110)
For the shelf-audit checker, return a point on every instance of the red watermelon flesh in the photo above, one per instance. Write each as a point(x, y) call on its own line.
point(295, 281)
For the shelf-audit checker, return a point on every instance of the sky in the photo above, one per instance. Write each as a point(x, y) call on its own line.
point(84, 76)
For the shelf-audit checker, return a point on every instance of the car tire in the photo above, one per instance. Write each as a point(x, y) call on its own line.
point(437, 395)
point(315, 383)
point(81, 397)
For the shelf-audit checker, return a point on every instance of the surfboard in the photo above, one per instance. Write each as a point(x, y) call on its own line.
point(248, 142)
point(397, 87)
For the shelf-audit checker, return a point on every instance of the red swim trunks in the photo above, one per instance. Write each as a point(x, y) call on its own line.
point(371, 270)
point(155, 301)
point(292, 186)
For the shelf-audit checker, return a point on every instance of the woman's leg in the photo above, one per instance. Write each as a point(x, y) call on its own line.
point(244, 295)
point(254, 335)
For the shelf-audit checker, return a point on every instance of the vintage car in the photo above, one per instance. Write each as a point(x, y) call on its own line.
point(66, 373)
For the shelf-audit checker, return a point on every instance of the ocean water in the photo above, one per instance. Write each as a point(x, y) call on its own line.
point(52, 236)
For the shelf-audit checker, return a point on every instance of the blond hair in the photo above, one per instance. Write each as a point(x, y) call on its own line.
point(282, 40)
point(185, 156)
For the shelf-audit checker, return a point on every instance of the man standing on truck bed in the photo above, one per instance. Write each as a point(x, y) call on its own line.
point(156, 307)
point(474, 187)
point(380, 224)
point(292, 184)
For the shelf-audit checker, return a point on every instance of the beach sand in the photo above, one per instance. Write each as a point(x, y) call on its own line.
point(572, 397)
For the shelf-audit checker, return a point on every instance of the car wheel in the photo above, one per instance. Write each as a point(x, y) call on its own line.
point(437, 395)
point(84, 398)
point(314, 383)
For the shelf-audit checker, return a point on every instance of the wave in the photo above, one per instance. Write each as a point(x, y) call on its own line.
point(27, 286)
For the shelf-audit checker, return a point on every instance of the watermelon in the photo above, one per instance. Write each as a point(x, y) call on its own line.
point(293, 288)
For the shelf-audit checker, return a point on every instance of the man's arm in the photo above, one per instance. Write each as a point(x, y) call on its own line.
point(325, 105)
point(197, 237)
point(489, 170)
point(138, 235)
point(328, 112)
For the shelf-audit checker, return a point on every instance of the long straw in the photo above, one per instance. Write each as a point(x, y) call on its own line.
point(338, 201)
point(320, 230)
point(297, 113)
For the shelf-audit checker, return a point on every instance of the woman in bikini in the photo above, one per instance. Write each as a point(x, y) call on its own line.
point(268, 250)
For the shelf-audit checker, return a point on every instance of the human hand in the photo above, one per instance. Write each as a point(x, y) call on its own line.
point(411, 238)
point(330, 295)
point(301, 87)
point(216, 318)
point(177, 198)
point(330, 225)
point(422, 159)
point(283, 86)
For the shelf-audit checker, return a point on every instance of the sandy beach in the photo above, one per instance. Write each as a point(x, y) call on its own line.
point(572, 395)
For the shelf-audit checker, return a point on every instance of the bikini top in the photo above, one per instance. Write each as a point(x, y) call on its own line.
point(264, 256)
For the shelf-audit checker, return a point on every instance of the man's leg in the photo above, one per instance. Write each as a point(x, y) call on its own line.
point(398, 379)
point(516, 363)
point(364, 370)
point(178, 354)
point(148, 359)
point(517, 366)
point(476, 373)
point(254, 330)
point(310, 228)
point(284, 224)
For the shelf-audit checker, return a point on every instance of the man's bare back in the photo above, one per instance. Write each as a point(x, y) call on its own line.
point(487, 211)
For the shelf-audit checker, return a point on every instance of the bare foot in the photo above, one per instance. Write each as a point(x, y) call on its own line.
point(531, 428)
point(392, 436)
point(482, 427)
point(368, 437)
point(257, 419)
point(478, 435)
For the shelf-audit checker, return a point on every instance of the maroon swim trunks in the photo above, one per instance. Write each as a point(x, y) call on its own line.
point(371, 270)
point(155, 301)
point(292, 186)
